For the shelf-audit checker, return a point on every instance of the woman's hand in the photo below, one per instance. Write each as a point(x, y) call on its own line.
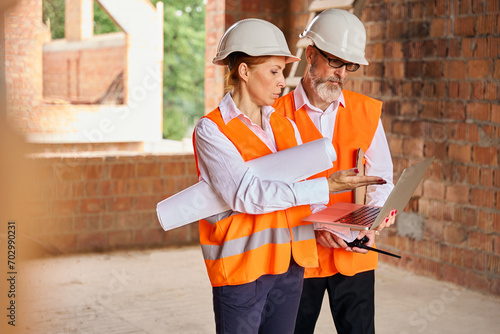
point(388, 221)
point(349, 179)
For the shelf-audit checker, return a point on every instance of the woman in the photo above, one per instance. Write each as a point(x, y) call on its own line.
point(255, 255)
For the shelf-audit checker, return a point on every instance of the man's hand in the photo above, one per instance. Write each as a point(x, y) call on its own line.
point(349, 179)
point(371, 241)
point(327, 239)
point(331, 240)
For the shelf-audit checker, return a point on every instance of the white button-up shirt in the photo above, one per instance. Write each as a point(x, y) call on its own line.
point(377, 156)
point(223, 168)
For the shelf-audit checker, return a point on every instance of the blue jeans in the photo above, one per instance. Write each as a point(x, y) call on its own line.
point(266, 306)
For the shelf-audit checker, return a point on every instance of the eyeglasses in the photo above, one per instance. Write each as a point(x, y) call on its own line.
point(337, 63)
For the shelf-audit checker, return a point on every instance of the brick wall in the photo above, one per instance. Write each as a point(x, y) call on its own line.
point(436, 67)
point(24, 33)
point(90, 201)
point(82, 72)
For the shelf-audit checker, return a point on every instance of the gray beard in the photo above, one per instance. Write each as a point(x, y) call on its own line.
point(325, 91)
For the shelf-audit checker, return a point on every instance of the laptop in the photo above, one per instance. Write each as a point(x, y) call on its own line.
point(366, 217)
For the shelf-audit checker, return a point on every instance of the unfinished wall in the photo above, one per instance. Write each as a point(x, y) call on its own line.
point(436, 66)
point(83, 72)
point(94, 201)
point(24, 35)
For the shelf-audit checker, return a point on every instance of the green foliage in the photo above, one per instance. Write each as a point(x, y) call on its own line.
point(103, 24)
point(174, 124)
point(184, 60)
point(53, 10)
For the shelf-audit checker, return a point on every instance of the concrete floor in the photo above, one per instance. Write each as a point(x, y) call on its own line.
point(167, 291)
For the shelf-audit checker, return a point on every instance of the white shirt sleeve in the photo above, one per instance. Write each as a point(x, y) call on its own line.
point(223, 168)
point(379, 163)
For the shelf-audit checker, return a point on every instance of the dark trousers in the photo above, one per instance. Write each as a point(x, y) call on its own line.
point(352, 303)
point(267, 306)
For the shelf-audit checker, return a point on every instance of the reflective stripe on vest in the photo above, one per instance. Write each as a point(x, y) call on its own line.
point(256, 240)
point(245, 244)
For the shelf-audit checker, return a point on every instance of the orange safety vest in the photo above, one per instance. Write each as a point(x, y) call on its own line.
point(242, 247)
point(355, 126)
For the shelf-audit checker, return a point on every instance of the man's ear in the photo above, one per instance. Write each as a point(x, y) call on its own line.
point(243, 71)
point(309, 54)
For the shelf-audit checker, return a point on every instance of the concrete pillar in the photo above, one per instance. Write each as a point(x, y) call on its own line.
point(79, 21)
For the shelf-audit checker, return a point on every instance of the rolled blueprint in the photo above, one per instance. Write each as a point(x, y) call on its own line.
point(291, 165)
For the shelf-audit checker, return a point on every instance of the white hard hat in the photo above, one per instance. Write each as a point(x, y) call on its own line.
point(339, 33)
point(254, 37)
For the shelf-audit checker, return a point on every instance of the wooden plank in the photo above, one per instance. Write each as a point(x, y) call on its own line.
point(321, 5)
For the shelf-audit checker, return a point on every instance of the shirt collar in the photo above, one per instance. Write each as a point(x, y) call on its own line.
point(229, 110)
point(300, 97)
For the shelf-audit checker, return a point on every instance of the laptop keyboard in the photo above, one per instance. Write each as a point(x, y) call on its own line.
point(363, 216)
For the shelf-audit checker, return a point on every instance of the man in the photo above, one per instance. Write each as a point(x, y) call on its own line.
point(321, 108)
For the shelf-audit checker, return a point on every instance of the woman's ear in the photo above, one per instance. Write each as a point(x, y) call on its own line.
point(243, 71)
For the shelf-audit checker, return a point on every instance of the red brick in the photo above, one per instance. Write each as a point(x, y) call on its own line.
point(481, 49)
point(496, 74)
point(119, 238)
point(496, 243)
point(92, 188)
point(485, 155)
point(459, 153)
point(486, 24)
point(148, 169)
point(457, 194)
point(477, 282)
point(480, 68)
point(493, 46)
point(468, 259)
point(497, 178)
point(491, 93)
point(120, 204)
point(464, 26)
point(92, 205)
point(146, 202)
point(174, 168)
point(494, 264)
point(483, 197)
point(122, 171)
point(464, 90)
point(455, 69)
point(433, 189)
point(486, 177)
point(429, 268)
point(437, 28)
point(455, 235)
point(479, 110)
point(92, 241)
point(413, 147)
point(481, 262)
point(478, 90)
point(495, 286)
point(437, 150)
point(452, 274)
point(473, 133)
point(434, 230)
point(481, 241)
point(92, 172)
point(484, 221)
